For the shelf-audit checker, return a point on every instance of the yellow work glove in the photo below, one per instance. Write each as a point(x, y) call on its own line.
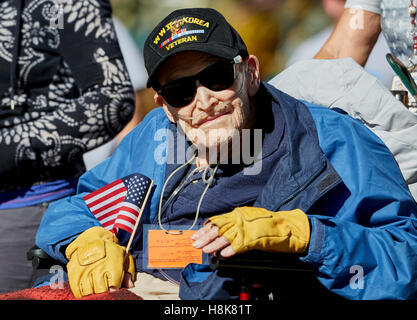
point(251, 228)
point(97, 262)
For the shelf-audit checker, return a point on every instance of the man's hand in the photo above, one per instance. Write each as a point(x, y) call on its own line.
point(97, 263)
point(251, 228)
point(208, 239)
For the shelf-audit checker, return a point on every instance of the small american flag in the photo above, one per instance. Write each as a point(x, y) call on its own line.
point(119, 204)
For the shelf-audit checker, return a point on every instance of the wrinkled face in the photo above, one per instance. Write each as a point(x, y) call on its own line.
point(213, 117)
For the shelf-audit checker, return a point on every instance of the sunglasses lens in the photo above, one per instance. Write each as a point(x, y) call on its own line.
point(218, 77)
point(179, 93)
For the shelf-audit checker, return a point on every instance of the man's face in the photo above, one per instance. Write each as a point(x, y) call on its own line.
point(213, 117)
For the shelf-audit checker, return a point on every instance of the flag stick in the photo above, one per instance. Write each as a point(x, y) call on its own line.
point(137, 221)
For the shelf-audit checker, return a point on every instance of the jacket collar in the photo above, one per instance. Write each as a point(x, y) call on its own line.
point(304, 167)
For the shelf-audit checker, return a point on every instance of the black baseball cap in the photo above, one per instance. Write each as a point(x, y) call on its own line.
point(191, 29)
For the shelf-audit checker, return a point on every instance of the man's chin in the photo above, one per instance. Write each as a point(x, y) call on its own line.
point(215, 152)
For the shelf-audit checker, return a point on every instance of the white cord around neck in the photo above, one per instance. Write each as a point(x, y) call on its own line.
point(208, 182)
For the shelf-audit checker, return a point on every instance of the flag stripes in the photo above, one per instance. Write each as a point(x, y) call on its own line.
point(118, 204)
point(127, 217)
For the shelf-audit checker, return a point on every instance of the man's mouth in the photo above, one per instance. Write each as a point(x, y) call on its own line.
point(212, 118)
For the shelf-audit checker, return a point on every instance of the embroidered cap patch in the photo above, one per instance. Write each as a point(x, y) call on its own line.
point(181, 30)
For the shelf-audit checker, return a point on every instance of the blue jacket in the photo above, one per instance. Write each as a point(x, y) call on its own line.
point(336, 170)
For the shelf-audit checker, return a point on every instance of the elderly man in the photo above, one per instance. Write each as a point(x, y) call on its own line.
point(320, 185)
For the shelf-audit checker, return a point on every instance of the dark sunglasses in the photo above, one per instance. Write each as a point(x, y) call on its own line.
point(216, 77)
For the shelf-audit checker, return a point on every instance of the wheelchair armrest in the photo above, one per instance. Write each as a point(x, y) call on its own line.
point(273, 274)
point(40, 259)
point(260, 260)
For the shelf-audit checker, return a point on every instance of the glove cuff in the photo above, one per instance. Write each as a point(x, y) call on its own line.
point(130, 266)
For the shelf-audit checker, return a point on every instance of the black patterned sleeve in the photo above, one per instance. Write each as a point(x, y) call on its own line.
point(89, 101)
point(90, 49)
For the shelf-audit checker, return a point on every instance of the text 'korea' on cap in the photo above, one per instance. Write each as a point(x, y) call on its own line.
point(192, 29)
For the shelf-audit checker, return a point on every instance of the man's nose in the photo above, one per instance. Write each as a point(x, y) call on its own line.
point(204, 97)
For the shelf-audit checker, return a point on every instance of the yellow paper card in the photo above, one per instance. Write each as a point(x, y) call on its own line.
point(172, 250)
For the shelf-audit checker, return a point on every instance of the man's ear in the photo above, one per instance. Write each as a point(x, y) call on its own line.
point(161, 102)
point(253, 72)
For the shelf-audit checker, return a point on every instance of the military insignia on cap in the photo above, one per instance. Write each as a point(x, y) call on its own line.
point(176, 26)
point(181, 30)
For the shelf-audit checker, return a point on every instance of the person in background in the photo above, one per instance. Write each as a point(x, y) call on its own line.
point(133, 58)
point(354, 37)
point(377, 65)
point(359, 27)
point(64, 90)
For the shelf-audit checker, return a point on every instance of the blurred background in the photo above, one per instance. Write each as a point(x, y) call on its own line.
point(271, 28)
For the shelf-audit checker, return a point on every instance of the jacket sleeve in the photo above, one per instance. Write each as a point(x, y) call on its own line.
point(137, 152)
point(66, 218)
point(368, 249)
point(90, 100)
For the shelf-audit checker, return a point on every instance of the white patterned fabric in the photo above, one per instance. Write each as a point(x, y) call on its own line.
point(368, 5)
point(73, 92)
point(396, 27)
